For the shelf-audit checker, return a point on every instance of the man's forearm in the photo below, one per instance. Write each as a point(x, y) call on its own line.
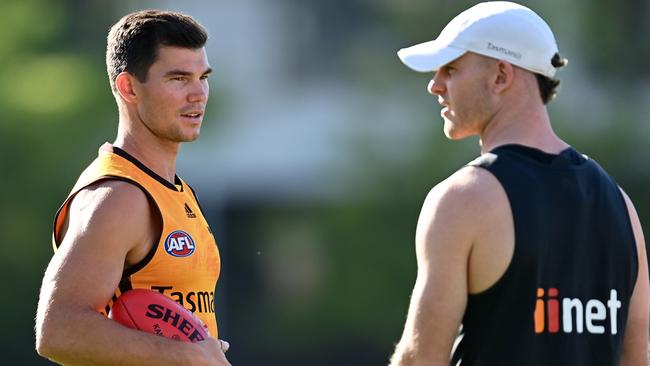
point(88, 338)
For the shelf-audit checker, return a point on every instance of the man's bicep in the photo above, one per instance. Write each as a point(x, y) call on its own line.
point(434, 317)
point(636, 335)
point(104, 224)
point(440, 293)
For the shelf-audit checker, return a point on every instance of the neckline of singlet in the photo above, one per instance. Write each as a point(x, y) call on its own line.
point(568, 157)
point(177, 186)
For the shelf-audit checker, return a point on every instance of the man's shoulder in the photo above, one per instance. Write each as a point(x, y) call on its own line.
point(461, 210)
point(108, 213)
point(112, 191)
point(470, 183)
point(470, 193)
point(111, 198)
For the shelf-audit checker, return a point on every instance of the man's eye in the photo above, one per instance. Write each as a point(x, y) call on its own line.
point(205, 77)
point(178, 78)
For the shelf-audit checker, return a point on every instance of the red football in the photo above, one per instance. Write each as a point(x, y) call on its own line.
point(155, 313)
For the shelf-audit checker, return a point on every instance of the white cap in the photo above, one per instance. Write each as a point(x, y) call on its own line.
point(497, 29)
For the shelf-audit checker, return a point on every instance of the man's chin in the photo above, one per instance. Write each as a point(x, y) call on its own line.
point(192, 138)
point(450, 132)
point(187, 137)
point(453, 133)
point(192, 135)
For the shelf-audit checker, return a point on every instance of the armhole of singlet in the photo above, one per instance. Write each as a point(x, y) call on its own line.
point(629, 223)
point(508, 272)
point(138, 266)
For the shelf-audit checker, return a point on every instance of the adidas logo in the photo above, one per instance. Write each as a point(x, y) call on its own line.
point(189, 212)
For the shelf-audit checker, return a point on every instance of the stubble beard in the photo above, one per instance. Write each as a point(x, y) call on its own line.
point(469, 118)
point(176, 135)
point(173, 133)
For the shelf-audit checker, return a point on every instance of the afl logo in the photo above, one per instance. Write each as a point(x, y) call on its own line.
point(179, 244)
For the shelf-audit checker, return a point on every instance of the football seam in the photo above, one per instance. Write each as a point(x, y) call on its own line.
point(137, 326)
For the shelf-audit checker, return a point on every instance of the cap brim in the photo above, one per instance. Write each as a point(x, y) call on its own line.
point(429, 56)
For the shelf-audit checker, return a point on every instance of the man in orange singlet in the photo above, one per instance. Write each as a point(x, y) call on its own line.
point(130, 222)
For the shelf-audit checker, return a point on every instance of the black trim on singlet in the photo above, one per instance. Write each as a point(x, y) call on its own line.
point(151, 173)
point(125, 285)
point(56, 219)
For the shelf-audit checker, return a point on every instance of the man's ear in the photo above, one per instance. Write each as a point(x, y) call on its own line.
point(505, 74)
point(124, 85)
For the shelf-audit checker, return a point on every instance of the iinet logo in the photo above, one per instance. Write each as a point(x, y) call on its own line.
point(574, 312)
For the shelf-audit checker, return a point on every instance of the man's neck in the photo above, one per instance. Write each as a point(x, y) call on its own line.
point(157, 155)
point(524, 124)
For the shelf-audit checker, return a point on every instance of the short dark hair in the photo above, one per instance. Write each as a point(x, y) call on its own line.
point(548, 86)
point(133, 41)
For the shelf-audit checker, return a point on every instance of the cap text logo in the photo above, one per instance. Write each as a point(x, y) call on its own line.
point(503, 50)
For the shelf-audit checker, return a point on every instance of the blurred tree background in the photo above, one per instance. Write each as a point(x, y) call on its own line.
point(317, 151)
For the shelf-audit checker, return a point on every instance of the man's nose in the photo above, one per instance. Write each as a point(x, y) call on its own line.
point(435, 86)
point(199, 92)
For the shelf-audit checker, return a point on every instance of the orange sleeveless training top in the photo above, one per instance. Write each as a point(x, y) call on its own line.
point(184, 263)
